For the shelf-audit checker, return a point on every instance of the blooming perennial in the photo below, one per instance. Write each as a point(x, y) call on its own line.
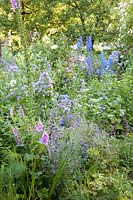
point(45, 139)
point(89, 64)
point(39, 127)
point(79, 43)
point(14, 5)
point(103, 62)
point(44, 85)
point(88, 44)
point(15, 132)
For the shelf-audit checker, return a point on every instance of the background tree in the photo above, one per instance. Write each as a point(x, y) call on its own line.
point(72, 18)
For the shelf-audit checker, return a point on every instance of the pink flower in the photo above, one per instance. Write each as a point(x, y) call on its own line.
point(44, 139)
point(39, 127)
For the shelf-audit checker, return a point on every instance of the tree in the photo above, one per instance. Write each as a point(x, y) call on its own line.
point(84, 17)
point(125, 26)
point(72, 18)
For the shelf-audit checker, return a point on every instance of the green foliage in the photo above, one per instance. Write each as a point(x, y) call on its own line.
point(70, 18)
point(46, 90)
point(126, 21)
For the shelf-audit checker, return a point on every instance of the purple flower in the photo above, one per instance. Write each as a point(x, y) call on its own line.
point(12, 68)
point(11, 112)
point(39, 127)
point(115, 55)
point(44, 139)
point(82, 146)
point(15, 132)
point(44, 84)
point(14, 4)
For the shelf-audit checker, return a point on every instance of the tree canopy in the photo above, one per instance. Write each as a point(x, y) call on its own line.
point(101, 19)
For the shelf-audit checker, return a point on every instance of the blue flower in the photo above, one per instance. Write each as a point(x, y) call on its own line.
point(115, 56)
point(110, 62)
point(82, 146)
point(112, 72)
point(62, 122)
point(88, 44)
point(98, 72)
point(103, 62)
point(89, 64)
point(79, 43)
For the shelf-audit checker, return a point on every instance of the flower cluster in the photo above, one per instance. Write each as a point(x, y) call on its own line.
point(88, 44)
point(15, 4)
point(115, 56)
point(87, 64)
point(39, 126)
point(64, 102)
point(104, 64)
point(15, 132)
point(44, 84)
point(10, 67)
point(45, 137)
point(79, 43)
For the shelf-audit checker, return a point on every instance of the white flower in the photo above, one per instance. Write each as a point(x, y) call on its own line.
point(54, 46)
point(13, 83)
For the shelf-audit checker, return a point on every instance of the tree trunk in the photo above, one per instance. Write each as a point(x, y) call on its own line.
point(23, 10)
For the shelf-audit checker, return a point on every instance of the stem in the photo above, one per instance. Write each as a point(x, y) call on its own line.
point(21, 27)
point(33, 180)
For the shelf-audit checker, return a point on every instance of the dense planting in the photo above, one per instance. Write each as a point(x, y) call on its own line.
point(66, 120)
